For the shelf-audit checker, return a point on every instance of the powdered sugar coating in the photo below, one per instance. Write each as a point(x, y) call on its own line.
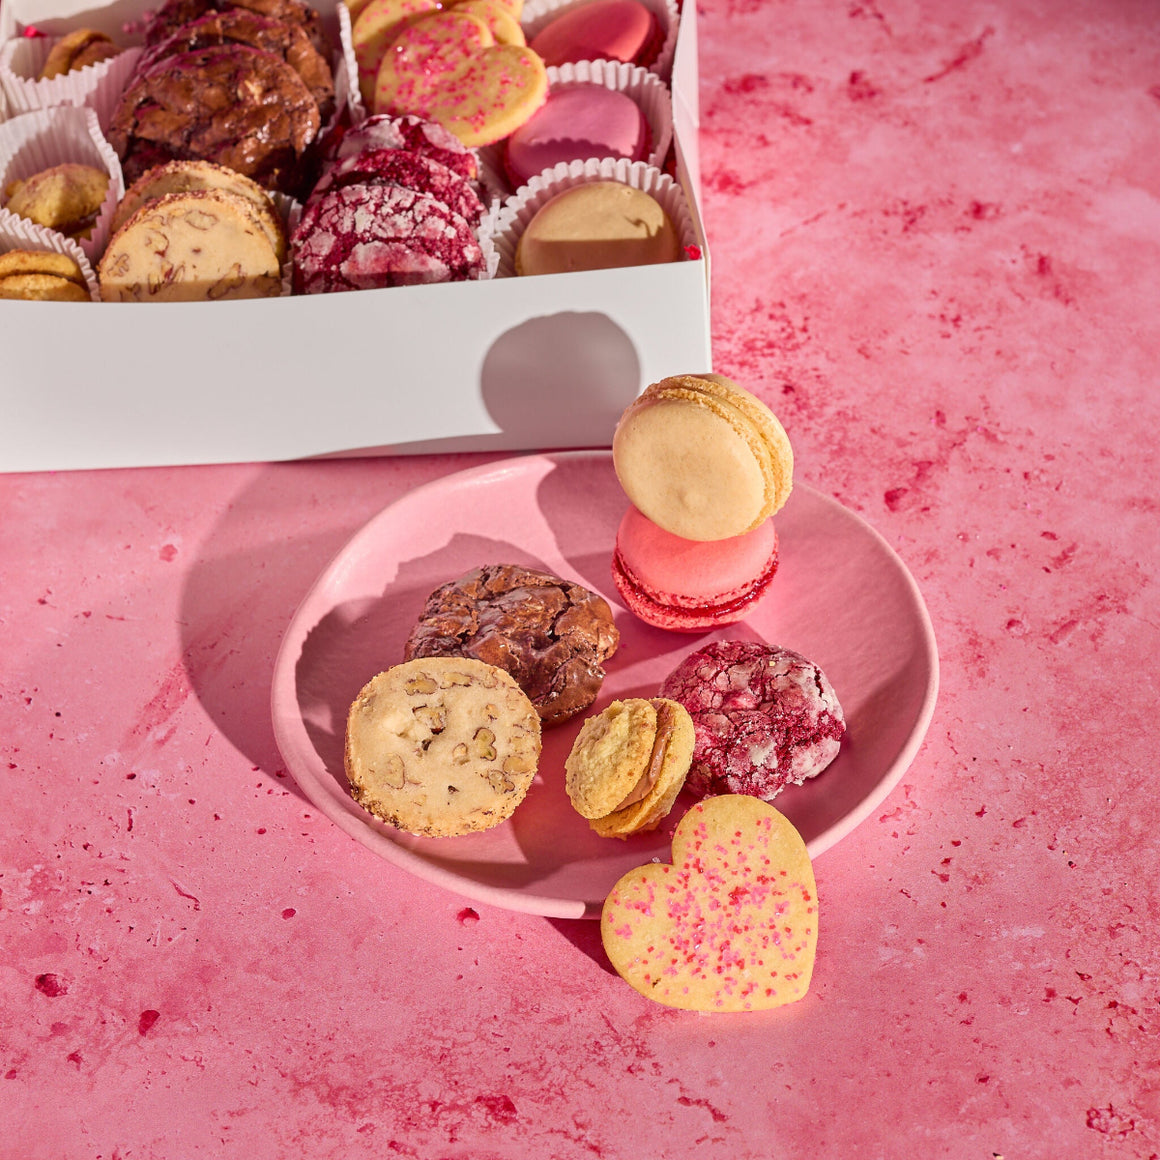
point(364, 237)
point(764, 717)
point(410, 170)
point(427, 138)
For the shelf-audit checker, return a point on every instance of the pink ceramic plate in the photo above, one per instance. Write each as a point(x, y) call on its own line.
point(841, 597)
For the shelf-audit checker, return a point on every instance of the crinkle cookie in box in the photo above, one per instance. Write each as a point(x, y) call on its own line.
point(509, 363)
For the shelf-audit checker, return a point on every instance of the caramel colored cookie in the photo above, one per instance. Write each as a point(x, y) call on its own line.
point(187, 247)
point(187, 176)
point(551, 635)
point(441, 746)
point(41, 276)
point(730, 925)
point(628, 764)
point(76, 50)
point(597, 225)
point(40, 262)
point(447, 67)
point(702, 458)
point(65, 198)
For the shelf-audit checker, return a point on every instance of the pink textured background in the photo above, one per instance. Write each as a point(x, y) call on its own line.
point(936, 253)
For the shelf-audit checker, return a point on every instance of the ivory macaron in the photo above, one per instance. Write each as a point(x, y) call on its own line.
point(703, 458)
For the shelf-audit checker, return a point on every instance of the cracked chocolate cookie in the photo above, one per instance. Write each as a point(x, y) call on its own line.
point(551, 635)
point(441, 746)
point(231, 104)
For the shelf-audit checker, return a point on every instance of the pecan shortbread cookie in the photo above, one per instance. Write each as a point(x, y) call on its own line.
point(441, 746)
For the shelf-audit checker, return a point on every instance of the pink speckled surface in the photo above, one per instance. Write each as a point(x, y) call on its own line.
point(936, 253)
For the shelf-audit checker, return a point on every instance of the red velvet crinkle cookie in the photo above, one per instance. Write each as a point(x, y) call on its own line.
point(411, 171)
point(427, 138)
point(365, 237)
point(764, 718)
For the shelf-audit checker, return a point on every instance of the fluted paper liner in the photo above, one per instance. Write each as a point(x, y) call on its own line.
point(522, 206)
point(538, 14)
point(97, 86)
point(17, 233)
point(32, 142)
point(641, 85)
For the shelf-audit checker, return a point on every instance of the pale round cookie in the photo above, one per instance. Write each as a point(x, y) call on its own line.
point(204, 245)
point(65, 197)
point(187, 176)
point(441, 746)
point(597, 225)
point(702, 458)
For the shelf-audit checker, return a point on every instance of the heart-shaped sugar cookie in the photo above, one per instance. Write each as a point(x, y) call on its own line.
point(731, 925)
point(447, 67)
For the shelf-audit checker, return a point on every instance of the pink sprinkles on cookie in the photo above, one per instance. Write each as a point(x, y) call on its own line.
point(730, 925)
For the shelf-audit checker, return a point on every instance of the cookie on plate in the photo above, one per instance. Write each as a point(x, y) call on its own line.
point(204, 245)
point(628, 764)
point(441, 746)
point(730, 925)
point(764, 717)
point(552, 635)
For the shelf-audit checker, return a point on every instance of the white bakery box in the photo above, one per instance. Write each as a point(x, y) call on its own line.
point(504, 364)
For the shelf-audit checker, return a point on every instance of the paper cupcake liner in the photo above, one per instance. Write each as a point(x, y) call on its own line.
point(32, 142)
point(98, 86)
point(17, 233)
point(522, 206)
point(351, 94)
point(538, 14)
point(641, 85)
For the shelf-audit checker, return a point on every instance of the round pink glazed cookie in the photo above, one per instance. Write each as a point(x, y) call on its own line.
point(427, 138)
point(623, 30)
point(764, 717)
point(411, 171)
point(690, 585)
point(363, 237)
point(576, 124)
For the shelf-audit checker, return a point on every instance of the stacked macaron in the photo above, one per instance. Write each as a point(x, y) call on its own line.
point(394, 206)
point(705, 465)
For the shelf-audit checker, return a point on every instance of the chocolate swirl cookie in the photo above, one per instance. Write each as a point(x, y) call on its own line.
point(232, 104)
point(550, 634)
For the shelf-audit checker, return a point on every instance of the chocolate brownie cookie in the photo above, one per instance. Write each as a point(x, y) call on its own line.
point(231, 104)
point(240, 26)
point(175, 13)
point(550, 634)
point(763, 717)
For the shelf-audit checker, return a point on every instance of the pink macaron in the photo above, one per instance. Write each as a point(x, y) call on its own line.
point(623, 30)
point(690, 585)
point(575, 124)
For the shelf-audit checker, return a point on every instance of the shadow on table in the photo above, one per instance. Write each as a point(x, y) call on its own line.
point(248, 580)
